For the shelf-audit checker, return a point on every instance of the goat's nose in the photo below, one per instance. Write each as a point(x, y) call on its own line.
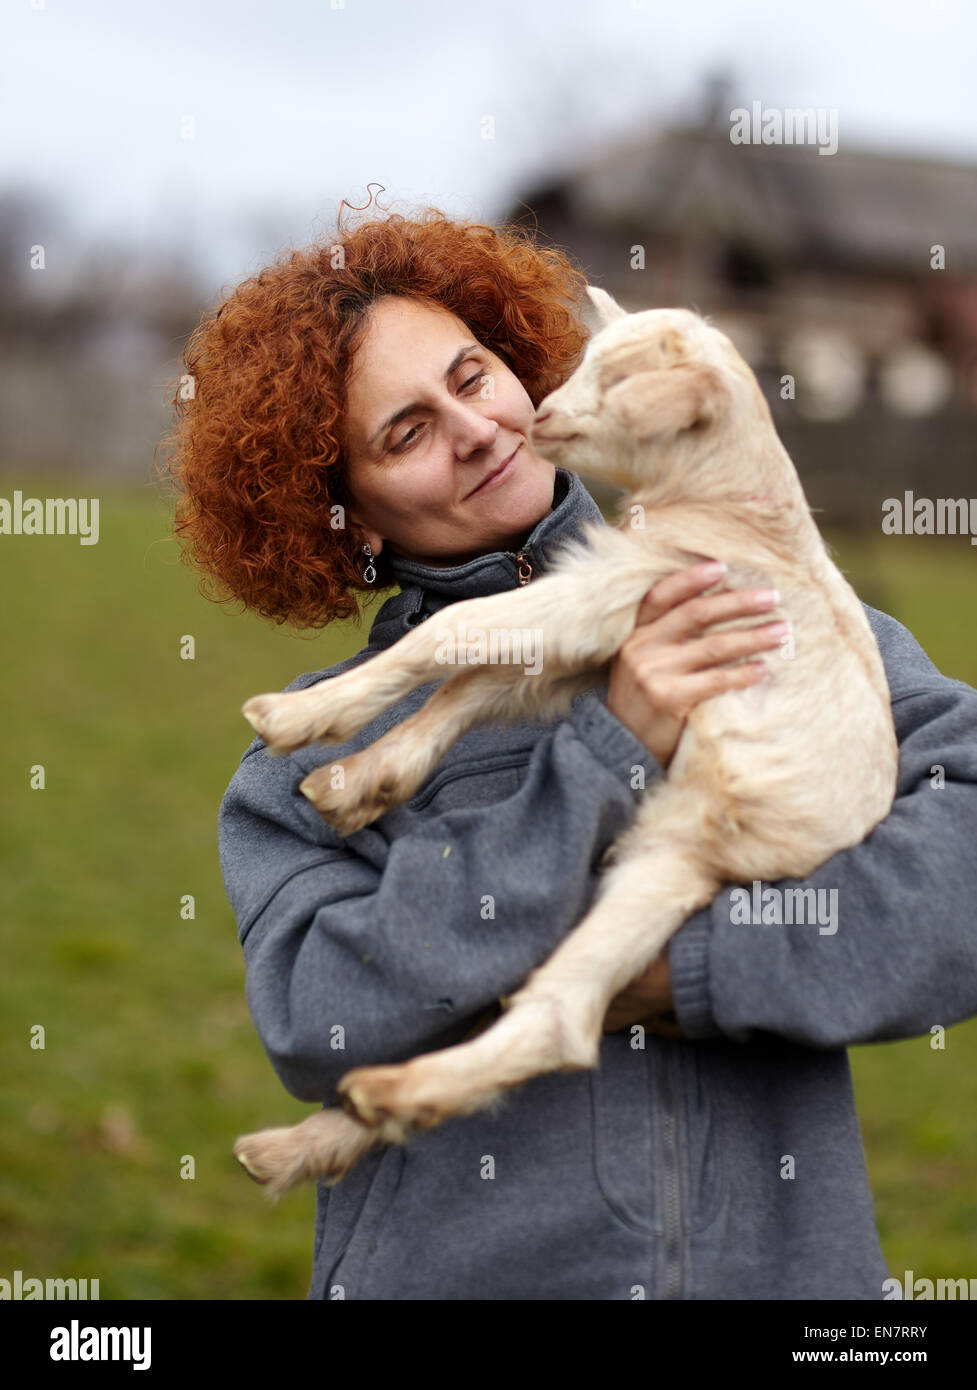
point(542, 415)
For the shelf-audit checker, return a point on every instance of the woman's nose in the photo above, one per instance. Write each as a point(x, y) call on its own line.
point(475, 431)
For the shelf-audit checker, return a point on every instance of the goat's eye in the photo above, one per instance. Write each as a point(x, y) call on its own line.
point(613, 379)
point(616, 378)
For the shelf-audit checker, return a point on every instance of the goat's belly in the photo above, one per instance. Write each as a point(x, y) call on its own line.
point(785, 782)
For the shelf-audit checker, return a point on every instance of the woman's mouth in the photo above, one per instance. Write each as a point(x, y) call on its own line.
point(498, 477)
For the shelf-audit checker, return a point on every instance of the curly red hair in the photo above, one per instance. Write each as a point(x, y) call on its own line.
point(258, 452)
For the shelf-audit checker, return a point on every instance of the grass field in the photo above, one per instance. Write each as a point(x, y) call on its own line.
point(150, 1055)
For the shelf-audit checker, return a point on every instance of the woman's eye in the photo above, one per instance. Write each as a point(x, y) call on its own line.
point(406, 439)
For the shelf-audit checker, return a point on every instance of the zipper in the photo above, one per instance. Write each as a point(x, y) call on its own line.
point(524, 566)
point(671, 1182)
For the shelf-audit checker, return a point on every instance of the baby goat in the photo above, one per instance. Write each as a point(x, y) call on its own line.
point(765, 783)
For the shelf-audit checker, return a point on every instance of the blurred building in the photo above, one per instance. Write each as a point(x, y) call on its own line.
point(90, 342)
point(822, 269)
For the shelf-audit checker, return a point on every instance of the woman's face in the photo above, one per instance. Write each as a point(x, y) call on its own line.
point(431, 414)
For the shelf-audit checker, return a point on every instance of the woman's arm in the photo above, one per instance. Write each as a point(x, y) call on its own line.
point(389, 944)
point(358, 958)
point(904, 955)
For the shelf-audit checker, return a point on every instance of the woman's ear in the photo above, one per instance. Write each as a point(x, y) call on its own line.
point(364, 533)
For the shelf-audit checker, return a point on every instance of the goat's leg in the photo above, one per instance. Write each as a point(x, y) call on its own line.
point(352, 792)
point(326, 1145)
point(581, 614)
point(554, 1023)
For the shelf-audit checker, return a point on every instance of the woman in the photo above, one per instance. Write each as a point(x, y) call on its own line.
point(361, 419)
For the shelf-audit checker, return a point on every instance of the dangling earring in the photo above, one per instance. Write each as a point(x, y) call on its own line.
point(370, 573)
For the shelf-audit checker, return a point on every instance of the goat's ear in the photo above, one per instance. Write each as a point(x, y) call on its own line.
point(649, 404)
point(598, 309)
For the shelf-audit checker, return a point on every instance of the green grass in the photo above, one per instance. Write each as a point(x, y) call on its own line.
point(918, 1106)
point(928, 582)
point(150, 1055)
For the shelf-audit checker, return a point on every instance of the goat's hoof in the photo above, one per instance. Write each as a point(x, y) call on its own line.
point(367, 791)
point(276, 719)
point(280, 1159)
point(276, 1159)
point(250, 1164)
point(340, 806)
point(357, 1096)
point(381, 1097)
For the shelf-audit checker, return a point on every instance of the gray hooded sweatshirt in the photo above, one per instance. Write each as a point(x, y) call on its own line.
point(728, 1165)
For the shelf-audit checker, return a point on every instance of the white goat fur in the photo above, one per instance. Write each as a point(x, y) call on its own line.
point(766, 782)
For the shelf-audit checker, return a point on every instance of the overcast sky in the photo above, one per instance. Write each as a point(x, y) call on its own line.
point(297, 104)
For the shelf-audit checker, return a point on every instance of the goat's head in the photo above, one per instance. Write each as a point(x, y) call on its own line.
point(653, 397)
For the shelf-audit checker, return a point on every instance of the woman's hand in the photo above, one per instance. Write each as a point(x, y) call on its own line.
point(669, 662)
point(646, 1000)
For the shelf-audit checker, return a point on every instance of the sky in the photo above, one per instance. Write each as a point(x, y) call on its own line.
point(294, 105)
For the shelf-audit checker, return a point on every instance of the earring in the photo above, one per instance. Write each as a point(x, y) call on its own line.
point(370, 573)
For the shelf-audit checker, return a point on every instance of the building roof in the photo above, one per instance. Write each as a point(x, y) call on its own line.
point(854, 208)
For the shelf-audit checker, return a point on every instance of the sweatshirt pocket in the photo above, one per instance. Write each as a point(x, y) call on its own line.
point(472, 783)
point(626, 1134)
point(703, 1140)
point(636, 1116)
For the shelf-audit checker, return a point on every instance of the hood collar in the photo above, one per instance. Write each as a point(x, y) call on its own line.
point(426, 588)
